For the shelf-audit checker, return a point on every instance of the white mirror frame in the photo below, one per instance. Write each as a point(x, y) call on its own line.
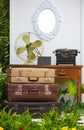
point(46, 4)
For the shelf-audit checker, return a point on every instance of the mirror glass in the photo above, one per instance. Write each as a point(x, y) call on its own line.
point(46, 21)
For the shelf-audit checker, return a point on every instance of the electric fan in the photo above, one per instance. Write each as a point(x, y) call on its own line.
point(28, 47)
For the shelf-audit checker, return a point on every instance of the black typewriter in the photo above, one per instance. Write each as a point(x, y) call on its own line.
point(66, 56)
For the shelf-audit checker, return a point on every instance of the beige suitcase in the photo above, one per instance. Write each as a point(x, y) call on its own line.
point(31, 75)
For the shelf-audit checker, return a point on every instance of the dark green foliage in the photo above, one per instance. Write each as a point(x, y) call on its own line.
point(14, 121)
point(3, 79)
point(83, 88)
point(51, 120)
point(68, 95)
point(4, 34)
point(80, 107)
point(71, 119)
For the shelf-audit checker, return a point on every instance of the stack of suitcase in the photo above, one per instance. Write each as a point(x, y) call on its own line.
point(31, 88)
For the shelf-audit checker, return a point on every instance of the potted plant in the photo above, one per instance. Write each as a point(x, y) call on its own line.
point(68, 95)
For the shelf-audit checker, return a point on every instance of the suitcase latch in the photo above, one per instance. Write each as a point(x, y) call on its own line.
point(47, 78)
point(19, 90)
point(19, 75)
point(47, 91)
point(18, 78)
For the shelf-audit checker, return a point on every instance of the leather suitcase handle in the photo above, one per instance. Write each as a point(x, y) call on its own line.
point(34, 79)
point(35, 108)
point(33, 91)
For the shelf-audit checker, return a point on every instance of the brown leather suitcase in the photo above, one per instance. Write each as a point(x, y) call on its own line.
point(33, 107)
point(30, 75)
point(31, 92)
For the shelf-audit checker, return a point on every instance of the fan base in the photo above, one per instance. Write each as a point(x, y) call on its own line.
point(29, 62)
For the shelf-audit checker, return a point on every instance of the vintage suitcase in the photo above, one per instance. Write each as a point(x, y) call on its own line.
point(31, 92)
point(33, 107)
point(31, 75)
point(66, 56)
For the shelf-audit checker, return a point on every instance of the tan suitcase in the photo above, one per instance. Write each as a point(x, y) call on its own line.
point(31, 75)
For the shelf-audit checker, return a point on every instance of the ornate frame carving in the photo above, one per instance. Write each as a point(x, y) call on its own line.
point(46, 4)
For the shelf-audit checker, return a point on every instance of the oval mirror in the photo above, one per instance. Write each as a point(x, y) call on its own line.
point(46, 20)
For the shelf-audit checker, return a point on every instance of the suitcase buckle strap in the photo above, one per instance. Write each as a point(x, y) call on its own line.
point(47, 78)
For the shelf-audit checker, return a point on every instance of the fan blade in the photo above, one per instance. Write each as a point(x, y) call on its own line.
point(20, 50)
point(26, 38)
point(31, 54)
point(36, 44)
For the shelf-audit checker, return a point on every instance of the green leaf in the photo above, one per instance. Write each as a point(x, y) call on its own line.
point(72, 87)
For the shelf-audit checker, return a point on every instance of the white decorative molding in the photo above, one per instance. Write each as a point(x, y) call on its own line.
point(46, 4)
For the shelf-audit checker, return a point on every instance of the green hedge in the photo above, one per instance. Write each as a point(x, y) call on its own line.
point(4, 34)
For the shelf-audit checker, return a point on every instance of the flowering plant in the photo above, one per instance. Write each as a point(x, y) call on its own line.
point(51, 120)
point(1, 128)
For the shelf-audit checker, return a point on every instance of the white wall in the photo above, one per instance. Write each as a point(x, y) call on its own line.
point(82, 38)
point(69, 36)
